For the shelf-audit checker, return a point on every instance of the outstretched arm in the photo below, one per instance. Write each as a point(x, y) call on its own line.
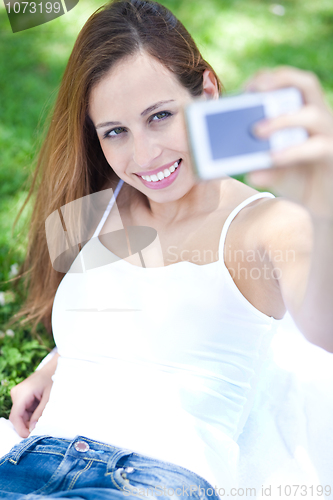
point(304, 174)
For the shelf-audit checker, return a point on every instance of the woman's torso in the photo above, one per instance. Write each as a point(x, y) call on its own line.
point(159, 359)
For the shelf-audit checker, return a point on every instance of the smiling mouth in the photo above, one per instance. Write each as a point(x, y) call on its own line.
point(162, 174)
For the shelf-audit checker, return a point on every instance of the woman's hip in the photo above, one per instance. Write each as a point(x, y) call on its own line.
point(83, 468)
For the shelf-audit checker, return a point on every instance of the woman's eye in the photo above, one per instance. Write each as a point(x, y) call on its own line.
point(114, 132)
point(160, 116)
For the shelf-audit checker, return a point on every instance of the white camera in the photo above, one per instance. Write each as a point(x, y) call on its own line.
point(221, 135)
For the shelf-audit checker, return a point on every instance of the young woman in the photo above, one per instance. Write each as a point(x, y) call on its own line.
point(165, 314)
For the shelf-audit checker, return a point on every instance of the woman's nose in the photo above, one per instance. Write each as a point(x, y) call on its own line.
point(145, 151)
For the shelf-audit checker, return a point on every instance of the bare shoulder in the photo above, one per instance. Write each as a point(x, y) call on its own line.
point(280, 223)
point(277, 235)
point(232, 192)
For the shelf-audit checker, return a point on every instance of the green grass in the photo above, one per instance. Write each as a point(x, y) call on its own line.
point(237, 37)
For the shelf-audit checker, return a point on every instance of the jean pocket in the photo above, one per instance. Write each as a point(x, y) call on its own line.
point(27, 470)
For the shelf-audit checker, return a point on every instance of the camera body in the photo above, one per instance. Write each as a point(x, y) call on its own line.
point(221, 137)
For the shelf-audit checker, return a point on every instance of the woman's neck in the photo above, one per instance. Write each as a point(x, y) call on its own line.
point(203, 197)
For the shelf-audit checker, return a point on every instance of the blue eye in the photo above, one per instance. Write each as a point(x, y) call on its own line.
point(114, 132)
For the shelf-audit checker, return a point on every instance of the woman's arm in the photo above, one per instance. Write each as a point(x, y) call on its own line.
point(304, 231)
point(30, 397)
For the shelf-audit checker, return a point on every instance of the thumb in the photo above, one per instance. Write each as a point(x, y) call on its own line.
point(39, 410)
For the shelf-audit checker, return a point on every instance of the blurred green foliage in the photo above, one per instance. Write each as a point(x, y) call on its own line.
point(20, 355)
point(237, 37)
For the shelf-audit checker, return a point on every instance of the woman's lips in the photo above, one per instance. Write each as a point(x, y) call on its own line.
point(159, 169)
point(164, 182)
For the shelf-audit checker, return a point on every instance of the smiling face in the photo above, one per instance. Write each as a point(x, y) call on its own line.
point(137, 112)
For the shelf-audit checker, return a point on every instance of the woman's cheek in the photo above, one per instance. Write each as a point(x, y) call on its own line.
point(113, 157)
point(176, 139)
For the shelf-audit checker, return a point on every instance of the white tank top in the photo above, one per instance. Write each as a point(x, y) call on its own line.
point(159, 360)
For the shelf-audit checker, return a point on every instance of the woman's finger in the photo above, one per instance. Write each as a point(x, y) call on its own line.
point(286, 76)
point(316, 151)
point(310, 117)
point(307, 176)
point(40, 408)
point(18, 418)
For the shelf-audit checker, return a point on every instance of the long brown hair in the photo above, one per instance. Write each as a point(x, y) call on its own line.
point(71, 163)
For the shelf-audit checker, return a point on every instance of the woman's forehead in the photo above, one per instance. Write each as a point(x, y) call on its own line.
point(136, 80)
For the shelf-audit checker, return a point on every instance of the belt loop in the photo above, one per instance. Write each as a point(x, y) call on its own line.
point(23, 446)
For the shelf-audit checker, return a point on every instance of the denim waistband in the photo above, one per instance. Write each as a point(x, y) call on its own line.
point(85, 448)
point(115, 457)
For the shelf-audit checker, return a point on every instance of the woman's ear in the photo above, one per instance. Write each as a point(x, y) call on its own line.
point(210, 88)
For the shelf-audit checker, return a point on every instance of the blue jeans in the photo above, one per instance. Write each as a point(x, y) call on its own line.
point(45, 467)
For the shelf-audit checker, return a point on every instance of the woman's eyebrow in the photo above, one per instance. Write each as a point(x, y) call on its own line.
point(144, 113)
point(154, 106)
point(107, 124)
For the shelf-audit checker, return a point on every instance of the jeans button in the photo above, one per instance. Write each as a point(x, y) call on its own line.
point(129, 469)
point(123, 475)
point(81, 446)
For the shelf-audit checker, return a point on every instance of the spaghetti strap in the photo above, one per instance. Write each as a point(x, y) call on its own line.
point(233, 214)
point(108, 208)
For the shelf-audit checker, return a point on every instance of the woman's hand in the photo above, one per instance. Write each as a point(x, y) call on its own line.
point(30, 398)
point(304, 173)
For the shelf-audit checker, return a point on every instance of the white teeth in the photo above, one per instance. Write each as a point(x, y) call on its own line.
point(161, 175)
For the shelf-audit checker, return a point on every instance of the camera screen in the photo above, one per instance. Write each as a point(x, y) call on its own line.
point(230, 132)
